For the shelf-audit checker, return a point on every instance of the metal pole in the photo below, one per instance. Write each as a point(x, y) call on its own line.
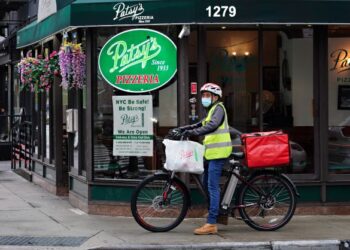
point(260, 75)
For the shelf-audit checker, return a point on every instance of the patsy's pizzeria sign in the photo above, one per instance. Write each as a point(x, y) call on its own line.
point(138, 60)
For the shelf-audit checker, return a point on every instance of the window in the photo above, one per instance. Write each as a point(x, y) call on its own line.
point(287, 97)
point(339, 100)
point(164, 101)
point(287, 84)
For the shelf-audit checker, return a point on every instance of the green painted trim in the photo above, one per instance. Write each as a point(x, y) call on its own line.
point(197, 197)
point(111, 193)
point(309, 193)
point(123, 194)
point(338, 193)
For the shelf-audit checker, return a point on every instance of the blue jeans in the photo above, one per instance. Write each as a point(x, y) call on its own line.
point(211, 181)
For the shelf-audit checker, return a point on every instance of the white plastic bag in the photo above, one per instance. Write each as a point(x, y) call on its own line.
point(184, 156)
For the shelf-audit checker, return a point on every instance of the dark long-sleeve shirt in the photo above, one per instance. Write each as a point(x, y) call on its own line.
point(216, 120)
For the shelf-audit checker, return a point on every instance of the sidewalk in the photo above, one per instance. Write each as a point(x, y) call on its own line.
point(30, 215)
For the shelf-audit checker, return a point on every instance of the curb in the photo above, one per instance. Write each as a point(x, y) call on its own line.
point(306, 244)
point(264, 245)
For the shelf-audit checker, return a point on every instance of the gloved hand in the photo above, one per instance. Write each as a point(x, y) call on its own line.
point(180, 129)
point(186, 133)
point(174, 133)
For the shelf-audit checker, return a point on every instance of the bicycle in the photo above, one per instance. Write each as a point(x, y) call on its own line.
point(266, 199)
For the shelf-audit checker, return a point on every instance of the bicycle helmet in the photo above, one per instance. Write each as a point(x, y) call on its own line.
point(212, 88)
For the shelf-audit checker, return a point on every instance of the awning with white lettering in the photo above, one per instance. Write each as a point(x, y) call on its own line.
point(89, 13)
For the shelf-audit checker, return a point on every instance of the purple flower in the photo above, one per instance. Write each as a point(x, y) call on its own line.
point(72, 63)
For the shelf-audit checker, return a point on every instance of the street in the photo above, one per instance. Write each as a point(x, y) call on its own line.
point(29, 211)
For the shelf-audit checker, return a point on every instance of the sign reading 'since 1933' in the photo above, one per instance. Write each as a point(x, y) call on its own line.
point(138, 60)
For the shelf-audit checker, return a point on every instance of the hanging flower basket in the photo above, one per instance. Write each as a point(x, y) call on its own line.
point(72, 62)
point(37, 74)
point(51, 68)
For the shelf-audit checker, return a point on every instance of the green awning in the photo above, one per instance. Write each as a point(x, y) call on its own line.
point(35, 32)
point(147, 12)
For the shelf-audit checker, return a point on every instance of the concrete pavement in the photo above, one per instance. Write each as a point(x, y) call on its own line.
point(27, 210)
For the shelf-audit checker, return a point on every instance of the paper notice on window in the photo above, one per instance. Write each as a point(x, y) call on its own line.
point(133, 125)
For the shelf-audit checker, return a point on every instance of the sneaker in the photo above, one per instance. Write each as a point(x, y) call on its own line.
point(206, 229)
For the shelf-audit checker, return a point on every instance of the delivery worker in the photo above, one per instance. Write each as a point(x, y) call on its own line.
point(218, 147)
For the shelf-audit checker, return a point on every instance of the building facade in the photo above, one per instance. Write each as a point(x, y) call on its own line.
point(11, 19)
point(281, 66)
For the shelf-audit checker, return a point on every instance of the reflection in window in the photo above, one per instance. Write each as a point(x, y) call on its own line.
point(287, 84)
point(233, 64)
point(339, 100)
point(287, 96)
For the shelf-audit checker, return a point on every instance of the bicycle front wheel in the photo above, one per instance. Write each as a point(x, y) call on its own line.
point(159, 204)
point(267, 202)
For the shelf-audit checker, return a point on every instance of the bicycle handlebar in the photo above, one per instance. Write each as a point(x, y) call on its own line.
point(175, 134)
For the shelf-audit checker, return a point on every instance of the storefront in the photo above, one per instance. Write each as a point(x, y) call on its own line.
point(281, 66)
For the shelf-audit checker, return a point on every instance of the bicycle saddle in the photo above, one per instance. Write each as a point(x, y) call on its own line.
point(237, 155)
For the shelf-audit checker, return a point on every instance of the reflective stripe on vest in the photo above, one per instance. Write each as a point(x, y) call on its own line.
point(218, 143)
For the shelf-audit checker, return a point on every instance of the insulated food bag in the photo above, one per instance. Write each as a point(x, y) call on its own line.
point(266, 149)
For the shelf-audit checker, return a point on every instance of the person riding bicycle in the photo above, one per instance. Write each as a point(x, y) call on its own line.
point(218, 147)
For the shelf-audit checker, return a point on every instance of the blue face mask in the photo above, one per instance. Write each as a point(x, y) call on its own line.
point(206, 102)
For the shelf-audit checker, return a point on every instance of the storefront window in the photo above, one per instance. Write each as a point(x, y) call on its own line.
point(339, 100)
point(233, 64)
point(233, 58)
point(108, 165)
point(287, 84)
point(287, 98)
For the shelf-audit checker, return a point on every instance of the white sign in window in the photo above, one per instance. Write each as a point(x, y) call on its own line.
point(133, 125)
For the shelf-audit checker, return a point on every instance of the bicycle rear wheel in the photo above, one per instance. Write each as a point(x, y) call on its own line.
point(159, 204)
point(267, 202)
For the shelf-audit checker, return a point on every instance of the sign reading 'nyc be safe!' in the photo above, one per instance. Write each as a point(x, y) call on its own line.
point(138, 60)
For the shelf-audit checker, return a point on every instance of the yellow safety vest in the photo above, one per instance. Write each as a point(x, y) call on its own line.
point(217, 144)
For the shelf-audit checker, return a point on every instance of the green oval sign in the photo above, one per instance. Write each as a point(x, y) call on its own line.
point(138, 60)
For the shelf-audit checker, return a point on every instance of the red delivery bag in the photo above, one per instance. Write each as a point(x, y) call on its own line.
point(266, 149)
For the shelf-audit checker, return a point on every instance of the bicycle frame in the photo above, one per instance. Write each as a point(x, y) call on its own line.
point(204, 192)
point(152, 203)
point(241, 179)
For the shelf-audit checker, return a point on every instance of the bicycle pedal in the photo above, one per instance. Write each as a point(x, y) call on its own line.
point(222, 219)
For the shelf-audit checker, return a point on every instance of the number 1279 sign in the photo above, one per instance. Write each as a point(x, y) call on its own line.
point(221, 11)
